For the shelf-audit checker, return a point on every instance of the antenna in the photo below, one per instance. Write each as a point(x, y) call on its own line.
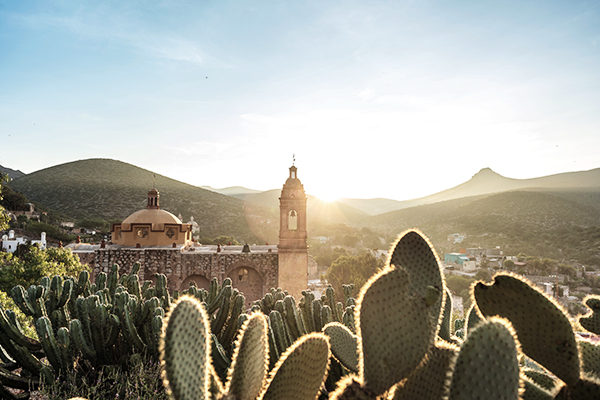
point(293, 159)
point(154, 181)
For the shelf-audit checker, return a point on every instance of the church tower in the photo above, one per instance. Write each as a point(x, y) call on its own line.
point(293, 249)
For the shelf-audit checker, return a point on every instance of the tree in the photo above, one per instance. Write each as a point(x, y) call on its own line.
point(327, 256)
point(352, 269)
point(509, 265)
point(29, 264)
point(483, 275)
point(3, 216)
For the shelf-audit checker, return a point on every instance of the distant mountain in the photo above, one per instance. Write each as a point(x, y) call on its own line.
point(12, 174)
point(112, 190)
point(317, 210)
point(562, 224)
point(484, 182)
point(233, 191)
point(373, 206)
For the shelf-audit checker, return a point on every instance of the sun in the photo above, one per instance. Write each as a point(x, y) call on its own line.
point(327, 195)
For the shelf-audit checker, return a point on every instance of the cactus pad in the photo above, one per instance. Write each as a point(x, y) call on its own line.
point(395, 328)
point(487, 366)
point(428, 381)
point(300, 371)
point(414, 252)
point(591, 321)
point(185, 350)
point(590, 357)
point(543, 329)
point(344, 345)
point(250, 360)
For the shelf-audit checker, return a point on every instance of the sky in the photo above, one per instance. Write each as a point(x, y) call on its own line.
point(394, 99)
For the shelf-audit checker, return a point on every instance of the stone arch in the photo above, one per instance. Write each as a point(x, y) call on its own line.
point(201, 282)
point(248, 281)
point(293, 220)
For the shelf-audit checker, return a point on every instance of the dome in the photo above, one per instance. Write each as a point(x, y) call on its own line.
point(157, 217)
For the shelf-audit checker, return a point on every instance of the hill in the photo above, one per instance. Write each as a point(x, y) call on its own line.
point(485, 182)
point(562, 224)
point(112, 190)
point(12, 174)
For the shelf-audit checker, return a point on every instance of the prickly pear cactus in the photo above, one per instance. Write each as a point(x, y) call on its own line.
point(300, 371)
point(474, 377)
point(344, 345)
point(591, 321)
point(185, 350)
point(543, 329)
point(427, 382)
point(250, 360)
point(414, 252)
point(395, 328)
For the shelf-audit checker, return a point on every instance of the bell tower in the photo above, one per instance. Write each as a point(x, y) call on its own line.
point(293, 249)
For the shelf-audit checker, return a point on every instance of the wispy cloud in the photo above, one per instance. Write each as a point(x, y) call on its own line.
point(103, 26)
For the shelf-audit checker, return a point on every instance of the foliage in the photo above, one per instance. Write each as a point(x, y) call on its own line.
point(509, 265)
point(95, 223)
point(483, 275)
point(52, 231)
point(13, 201)
point(90, 334)
point(3, 215)
point(109, 189)
point(226, 240)
point(28, 265)
point(7, 303)
point(328, 255)
point(354, 270)
point(139, 383)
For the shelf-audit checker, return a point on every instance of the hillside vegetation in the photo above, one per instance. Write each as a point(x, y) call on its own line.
point(564, 225)
point(110, 189)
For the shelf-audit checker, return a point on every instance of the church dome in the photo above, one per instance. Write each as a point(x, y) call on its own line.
point(157, 217)
point(151, 227)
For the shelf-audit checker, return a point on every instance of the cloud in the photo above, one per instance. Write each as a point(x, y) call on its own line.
point(108, 26)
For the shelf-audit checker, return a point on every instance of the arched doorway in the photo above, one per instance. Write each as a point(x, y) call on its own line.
point(248, 281)
point(201, 282)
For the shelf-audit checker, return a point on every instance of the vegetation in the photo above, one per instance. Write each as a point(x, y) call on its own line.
point(3, 216)
point(354, 270)
point(28, 265)
point(101, 189)
point(400, 320)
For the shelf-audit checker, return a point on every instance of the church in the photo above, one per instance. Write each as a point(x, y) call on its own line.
point(161, 243)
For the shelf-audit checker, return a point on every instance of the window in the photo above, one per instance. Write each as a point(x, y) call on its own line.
point(142, 232)
point(293, 220)
point(170, 233)
point(243, 275)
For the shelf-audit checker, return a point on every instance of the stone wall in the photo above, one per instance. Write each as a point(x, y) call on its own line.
point(178, 265)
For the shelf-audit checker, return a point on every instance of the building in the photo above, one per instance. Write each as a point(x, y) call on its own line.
point(161, 243)
point(10, 242)
point(455, 258)
point(151, 227)
point(293, 248)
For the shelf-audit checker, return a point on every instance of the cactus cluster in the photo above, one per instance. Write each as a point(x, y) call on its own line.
point(81, 327)
point(189, 373)
point(395, 341)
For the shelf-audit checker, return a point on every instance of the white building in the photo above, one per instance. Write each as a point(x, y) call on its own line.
point(10, 242)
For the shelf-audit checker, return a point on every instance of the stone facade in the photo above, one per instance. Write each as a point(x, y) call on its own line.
point(252, 273)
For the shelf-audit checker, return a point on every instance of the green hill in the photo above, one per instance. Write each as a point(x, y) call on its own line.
point(110, 189)
point(562, 224)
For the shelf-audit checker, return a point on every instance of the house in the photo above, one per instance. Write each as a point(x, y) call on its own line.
point(10, 242)
point(455, 258)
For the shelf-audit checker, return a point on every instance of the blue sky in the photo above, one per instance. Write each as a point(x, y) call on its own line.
point(396, 99)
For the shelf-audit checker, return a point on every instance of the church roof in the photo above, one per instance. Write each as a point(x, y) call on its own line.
point(157, 217)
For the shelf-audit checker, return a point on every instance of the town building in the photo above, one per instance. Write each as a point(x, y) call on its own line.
point(10, 242)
